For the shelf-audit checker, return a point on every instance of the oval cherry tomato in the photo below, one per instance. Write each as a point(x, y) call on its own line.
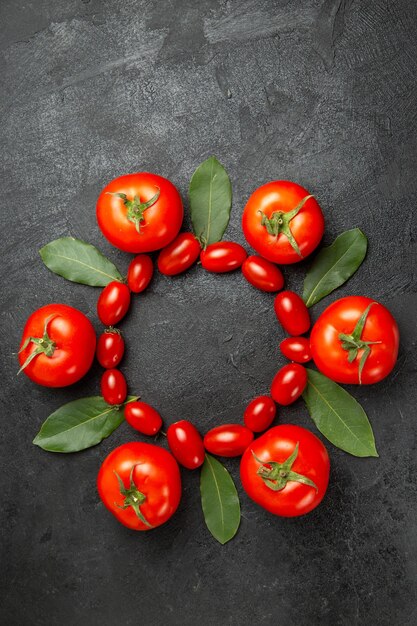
point(224, 256)
point(113, 303)
point(260, 413)
point(140, 212)
point(113, 387)
point(296, 349)
point(110, 348)
point(140, 484)
point(57, 346)
point(355, 340)
point(286, 471)
point(140, 273)
point(289, 383)
point(143, 417)
point(282, 222)
point(186, 444)
point(228, 440)
point(292, 313)
point(181, 254)
point(262, 274)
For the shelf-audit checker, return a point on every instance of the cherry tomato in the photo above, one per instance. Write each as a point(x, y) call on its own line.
point(224, 256)
point(186, 444)
point(292, 313)
point(296, 349)
point(113, 387)
point(260, 413)
point(355, 340)
point(143, 417)
point(228, 439)
point(179, 255)
point(110, 348)
point(289, 383)
point(140, 484)
point(286, 470)
point(113, 303)
point(140, 273)
point(57, 346)
point(283, 222)
point(262, 274)
point(140, 212)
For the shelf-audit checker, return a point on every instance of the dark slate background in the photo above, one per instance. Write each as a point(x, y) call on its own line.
point(323, 93)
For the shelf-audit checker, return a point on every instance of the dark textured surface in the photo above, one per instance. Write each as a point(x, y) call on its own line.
point(320, 92)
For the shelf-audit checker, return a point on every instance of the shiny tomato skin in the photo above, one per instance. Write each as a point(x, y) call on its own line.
point(179, 255)
point(221, 257)
point(262, 274)
point(143, 417)
point(110, 348)
point(289, 383)
point(296, 349)
point(162, 220)
point(156, 475)
point(341, 317)
point(75, 344)
point(113, 303)
point(186, 444)
point(113, 387)
point(312, 461)
point(260, 413)
point(292, 313)
point(228, 440)
point(307, 226)
point(139, 273)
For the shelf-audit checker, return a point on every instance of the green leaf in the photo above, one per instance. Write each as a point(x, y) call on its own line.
point(334, 265)
point(79, 424)
point(338, 416)
point(219, 500)
point(210, 195)
point(79, 261)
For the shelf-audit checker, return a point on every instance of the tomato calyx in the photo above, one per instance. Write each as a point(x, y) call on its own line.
point(136, 208)
point(277, 475)
point(111, 330)
point(132, 497)
point(279, 222)
point(353, 343)
point(45, 345)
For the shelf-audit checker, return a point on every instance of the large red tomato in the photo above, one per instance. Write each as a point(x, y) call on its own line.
point(355, 340)
point(283, 222)
point(140, 212)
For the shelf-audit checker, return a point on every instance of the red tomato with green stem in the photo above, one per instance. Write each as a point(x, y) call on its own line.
point(228, 440)
point(286, 471)
point(140, 484)
point(139, 273)
point(110, 348)
point(57, 346)
point(289, 383)
point(143, 417)
point(113, 387)
point(221, 257)
point(296, 349)
point(262, 274)
point(179, 255)
point(292, 313)
point(186, 444)
point(283, 222)
point(260, 413)
point(113, 303)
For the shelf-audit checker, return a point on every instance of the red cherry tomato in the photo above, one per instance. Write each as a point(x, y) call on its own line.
point(186, 444)
point(113, 303)
point(228, 440)
point(292, 313)
point(262, 274)
point(224, 256)
point(140, 484)
point(140, 212)
point(296, 349)
point(286, 470)
point(260, 413)
point(140, 273)
point(143, 417)
point(289, 383)
point(110, 348)
point(113, 387)
point(181, 254)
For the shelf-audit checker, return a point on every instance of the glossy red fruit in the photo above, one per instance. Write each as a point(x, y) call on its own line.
point(186, 444)
point(289, 383)
point(113, 303)
point(262, 274)
point(113, 387)
point(224, 256)
point(110, 348)
point(296, 349)
point(140, 273)
point(260, 413)
point(228, 440)
point(143, 417)
point(181, 254)
point(292, 313)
